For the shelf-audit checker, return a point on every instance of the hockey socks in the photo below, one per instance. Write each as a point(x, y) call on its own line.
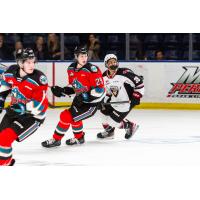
point(64, 124)
point(7, 136)
point(77, 128)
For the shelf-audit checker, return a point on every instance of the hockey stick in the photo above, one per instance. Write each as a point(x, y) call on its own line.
point(109, 103)
point(3, 65)
point(116, 102)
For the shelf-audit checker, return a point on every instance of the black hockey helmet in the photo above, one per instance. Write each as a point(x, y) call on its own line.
point(24, 54)
point(79, 50)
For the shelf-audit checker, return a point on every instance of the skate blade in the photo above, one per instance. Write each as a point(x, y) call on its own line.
point(136, 129)
point(51, 147)
point(107, 138)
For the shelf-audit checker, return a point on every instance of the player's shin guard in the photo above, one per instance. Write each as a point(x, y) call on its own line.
point(77, 128)
point(7, 136)
point(61, 128)
point(63, 125)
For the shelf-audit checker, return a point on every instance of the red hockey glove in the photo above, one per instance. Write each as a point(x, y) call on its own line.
point(136, 98)
point(137, 95)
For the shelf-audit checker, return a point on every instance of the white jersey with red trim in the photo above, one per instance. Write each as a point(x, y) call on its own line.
point(120, 87)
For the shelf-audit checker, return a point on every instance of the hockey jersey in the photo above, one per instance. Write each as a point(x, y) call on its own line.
point(120, 87)
point(87, 81)
point(29, 90)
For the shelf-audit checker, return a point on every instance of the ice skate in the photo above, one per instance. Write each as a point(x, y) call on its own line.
point(107, 133)
point(74, 141)
point(130, 128)
point(51, 143)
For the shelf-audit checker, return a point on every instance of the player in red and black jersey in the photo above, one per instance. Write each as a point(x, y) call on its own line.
point(85, 80)
point(27, 87)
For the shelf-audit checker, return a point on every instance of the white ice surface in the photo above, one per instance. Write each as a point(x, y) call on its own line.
point(165, 137)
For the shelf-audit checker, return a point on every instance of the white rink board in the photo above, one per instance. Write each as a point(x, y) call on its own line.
point(158, 77)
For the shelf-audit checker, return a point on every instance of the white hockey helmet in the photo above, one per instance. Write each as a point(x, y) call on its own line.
point(108, 57)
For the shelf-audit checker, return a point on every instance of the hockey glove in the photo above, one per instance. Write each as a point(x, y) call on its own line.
point(136, 98)
point(16, 110)
point(68, 90)
point(61, 92)
point(58, 91)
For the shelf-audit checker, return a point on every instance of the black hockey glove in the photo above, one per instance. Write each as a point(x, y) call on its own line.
point(58, 91)
point(15, 110)
point(61, 92)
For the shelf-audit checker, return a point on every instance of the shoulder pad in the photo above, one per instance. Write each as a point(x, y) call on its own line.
point(127, 70)
point(72, 65)
point(94, 68)
point(43, 79)
point(39, 77)
point(12, 69)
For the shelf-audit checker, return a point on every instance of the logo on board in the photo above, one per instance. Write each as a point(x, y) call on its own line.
point(188, 85)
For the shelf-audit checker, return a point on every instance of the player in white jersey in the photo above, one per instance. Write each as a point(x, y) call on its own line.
point(124, 89)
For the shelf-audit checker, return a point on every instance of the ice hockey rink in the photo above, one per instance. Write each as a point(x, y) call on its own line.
point(165, 137)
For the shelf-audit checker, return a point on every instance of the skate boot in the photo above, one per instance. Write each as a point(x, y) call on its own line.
point(51, 143)
point(12, 162)
point(107, 133)
point(9, 162)
point(74, 141)
point(130, 128)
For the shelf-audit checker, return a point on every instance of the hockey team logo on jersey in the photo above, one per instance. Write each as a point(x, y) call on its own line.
point(188, 85)
point(78, 87)
point(43, 80)
point(94, 68)
point(114, 90)
point(17, 96)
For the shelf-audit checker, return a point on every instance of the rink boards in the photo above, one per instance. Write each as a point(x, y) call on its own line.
point(170, 85)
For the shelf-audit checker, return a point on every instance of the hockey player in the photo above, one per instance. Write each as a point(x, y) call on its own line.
point(86, 81)
point(122, 85)
point(27, 87)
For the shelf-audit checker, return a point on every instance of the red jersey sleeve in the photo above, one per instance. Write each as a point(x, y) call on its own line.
point(96, 79)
